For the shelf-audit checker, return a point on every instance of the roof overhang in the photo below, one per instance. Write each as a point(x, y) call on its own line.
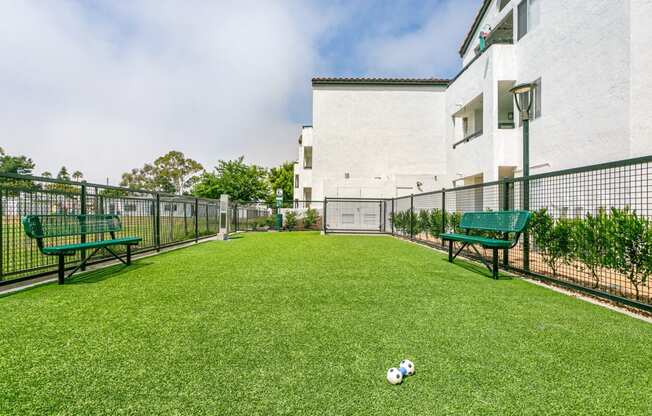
point(381, 81)
point(476, 22)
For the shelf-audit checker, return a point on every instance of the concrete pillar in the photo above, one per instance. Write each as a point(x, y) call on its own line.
point(225, 216)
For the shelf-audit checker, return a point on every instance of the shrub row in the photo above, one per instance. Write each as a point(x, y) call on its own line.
point(617, 240)
point(425, 221)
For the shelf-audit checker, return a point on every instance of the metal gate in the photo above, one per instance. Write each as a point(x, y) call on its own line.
point(355, 215)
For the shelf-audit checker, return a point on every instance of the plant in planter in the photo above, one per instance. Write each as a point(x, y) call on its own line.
point(290, 220)
point(422, 222)
point(310, 218)
point(591, 243)
point(553, 239)
point(399, 221)
point(435, 222)
point(453, 220)
point(630, 247)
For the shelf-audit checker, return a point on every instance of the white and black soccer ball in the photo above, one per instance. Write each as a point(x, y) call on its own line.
point(394, 376)
point(407, 366)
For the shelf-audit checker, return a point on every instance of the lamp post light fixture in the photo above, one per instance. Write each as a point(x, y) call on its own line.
point(523, 98)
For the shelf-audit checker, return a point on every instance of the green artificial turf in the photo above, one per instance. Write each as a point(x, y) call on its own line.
point(298, 323)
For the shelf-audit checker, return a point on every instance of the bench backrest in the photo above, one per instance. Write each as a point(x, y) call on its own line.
point(62, 225)
point(500, 221)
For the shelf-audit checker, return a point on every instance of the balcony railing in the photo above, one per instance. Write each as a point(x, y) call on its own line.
point(468, 138)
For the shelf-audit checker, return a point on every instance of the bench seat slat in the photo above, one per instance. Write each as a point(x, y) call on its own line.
point(91, 244)
point(483, 241)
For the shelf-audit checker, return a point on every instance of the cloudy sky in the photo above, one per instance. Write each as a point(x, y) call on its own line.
point(103, 86)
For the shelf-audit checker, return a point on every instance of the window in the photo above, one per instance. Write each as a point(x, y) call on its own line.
point(307, 194)
point(522, 19)
point(537, 98)
point(465, 127)
point(502, 4)
point(528, 16)
point(307, 157)
point(296, 181)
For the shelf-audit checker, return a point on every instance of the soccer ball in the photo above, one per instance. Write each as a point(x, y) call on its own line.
point(408, 366)
point(394, 376)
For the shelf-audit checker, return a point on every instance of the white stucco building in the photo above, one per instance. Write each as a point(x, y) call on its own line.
point(589, 59)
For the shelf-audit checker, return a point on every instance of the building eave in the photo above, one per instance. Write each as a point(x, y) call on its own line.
point(476, 22)
point(380, 81)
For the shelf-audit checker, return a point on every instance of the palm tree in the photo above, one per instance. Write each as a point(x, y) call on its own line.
point(77, 175)
point(46, 174)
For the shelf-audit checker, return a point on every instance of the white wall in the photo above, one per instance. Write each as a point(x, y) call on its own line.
point(595, 65)
point(594, 62)
point(305, 175)
point(377, 134)
point(641, 78)
point(580, 50)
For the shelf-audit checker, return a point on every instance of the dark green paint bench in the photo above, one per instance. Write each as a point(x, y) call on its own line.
point(508, 224)
point(57, 229)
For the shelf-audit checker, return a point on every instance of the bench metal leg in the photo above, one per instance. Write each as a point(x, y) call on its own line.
point(506, 258)
point(450, 251)
point(62, 265)
point(495, 264)
point(128, 254)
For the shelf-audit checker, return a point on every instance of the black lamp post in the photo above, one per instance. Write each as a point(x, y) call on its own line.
point(523, 97)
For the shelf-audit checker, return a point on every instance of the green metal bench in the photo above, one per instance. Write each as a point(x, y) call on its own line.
point(509, 224)
point(53, 227)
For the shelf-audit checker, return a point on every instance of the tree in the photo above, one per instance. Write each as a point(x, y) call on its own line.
point(63, 174)
point(172, 173)
point(46, 174)
point(20, 165)
point(77, 175)
point(242, 182)
point(281, 177)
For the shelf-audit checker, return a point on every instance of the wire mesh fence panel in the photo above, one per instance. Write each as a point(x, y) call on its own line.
point(592, 228)
point(355, 215)
point(295, 215)
point(159, 220)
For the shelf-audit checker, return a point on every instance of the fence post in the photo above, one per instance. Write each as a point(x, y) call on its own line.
point(157, 222)
point(526, 233)
point(506, 208)
point(380, 222)
point(324, 219)
point(208, 229)
point(392, 216)
point(196, 220)
point(185, 220)
point(443, 211)
point(1, 221)
point(411, 216)
point(82, 223)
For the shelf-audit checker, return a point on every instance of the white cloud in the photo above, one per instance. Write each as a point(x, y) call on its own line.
point(107, 88)
point(429, 51)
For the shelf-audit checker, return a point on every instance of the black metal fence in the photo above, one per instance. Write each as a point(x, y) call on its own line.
point(591, 228)
point(261, 215)
point(161, 220)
